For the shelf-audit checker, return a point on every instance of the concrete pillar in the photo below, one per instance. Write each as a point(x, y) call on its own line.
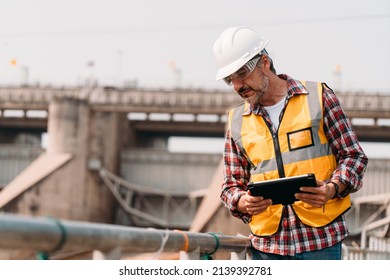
point(65, 129)
point(74, 128)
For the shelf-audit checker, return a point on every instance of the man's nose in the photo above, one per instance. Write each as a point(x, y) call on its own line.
point(237, 84)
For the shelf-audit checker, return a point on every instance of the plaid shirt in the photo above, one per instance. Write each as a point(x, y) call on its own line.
point(293, 236)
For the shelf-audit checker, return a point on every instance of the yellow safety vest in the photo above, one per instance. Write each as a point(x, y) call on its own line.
point(299, 147)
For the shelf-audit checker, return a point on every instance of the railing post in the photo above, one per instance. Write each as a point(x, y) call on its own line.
point(344, 252)
point(191, 255)
point(114, 254)
point(239, 255)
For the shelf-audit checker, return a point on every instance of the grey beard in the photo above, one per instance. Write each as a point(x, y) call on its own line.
point(259, 93)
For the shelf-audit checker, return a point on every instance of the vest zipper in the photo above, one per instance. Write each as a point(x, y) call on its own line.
point(278, 156)
point(275, 139)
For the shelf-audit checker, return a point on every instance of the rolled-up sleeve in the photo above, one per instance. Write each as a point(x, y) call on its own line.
point(236, 177)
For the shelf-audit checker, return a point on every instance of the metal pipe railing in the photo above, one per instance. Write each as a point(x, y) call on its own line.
point(50, 235)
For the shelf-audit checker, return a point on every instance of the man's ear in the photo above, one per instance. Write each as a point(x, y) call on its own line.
point(265, 61)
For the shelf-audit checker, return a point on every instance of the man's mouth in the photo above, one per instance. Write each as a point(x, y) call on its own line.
point(243, 92)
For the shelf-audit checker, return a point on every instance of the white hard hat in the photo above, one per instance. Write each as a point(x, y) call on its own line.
point(235, 47)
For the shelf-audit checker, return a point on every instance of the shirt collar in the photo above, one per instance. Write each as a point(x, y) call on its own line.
point(293, 86)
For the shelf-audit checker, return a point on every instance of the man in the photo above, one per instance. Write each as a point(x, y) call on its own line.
point(285, 128)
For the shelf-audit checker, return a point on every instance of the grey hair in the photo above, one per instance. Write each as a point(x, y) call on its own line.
point(272, 68)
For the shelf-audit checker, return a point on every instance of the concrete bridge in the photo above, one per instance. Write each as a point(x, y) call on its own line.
point(200, 113)
point(107, 159)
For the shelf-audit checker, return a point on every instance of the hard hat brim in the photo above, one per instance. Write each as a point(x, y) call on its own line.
point(234, 66)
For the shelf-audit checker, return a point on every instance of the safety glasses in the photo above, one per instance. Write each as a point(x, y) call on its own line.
point(242, 73)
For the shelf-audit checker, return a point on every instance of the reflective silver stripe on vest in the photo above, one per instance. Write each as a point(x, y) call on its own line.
point(236, 129)
point(237, 124)
point(265, 166)
point(314, 102)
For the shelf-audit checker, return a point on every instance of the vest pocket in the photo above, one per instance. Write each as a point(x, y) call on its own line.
point(300, 139)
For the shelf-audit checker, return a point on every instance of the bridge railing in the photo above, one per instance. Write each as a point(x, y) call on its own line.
point(21, 98)
point(353, 253)
point(104, 99)
point(365, 102)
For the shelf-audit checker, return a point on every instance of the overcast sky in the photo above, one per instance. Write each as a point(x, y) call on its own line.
point(167, 43)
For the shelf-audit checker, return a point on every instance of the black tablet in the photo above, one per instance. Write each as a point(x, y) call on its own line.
point(282, 190)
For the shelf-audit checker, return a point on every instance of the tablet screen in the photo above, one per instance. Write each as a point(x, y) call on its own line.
point(282, 190)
